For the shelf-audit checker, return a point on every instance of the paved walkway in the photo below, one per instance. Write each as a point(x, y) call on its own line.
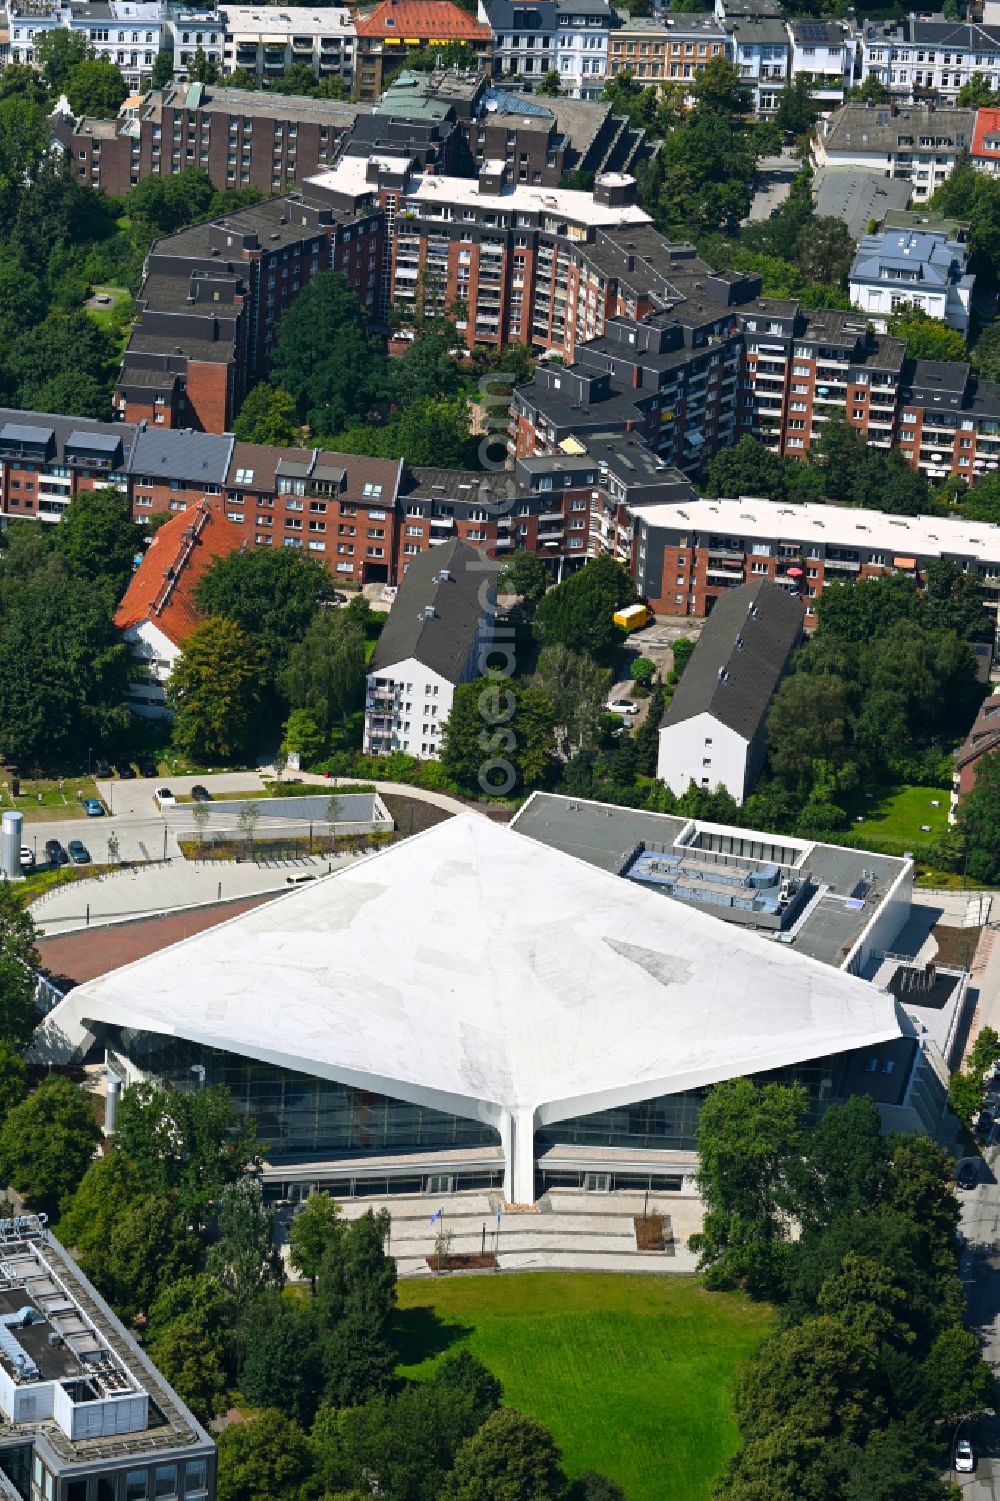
point(147, 891)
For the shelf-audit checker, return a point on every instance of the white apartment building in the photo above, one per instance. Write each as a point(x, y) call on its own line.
point(524, 37)
point(915, 58)
point(581, 43)
point(128, 33)
point(189, 30)
point(438, 629)
point(917, 143)
point(902, 268)
point(713, 733)
point(823, 53)
point(761, 51)
point(267, 40)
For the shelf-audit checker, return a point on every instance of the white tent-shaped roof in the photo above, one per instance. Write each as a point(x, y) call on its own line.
point(473, 970)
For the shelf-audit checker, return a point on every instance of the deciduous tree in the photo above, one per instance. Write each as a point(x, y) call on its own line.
point(193, 1145)
point(926, 338)
point(524, 574)
point(311, 1234)
point(19, 964)
point(267, 416)
point(98, 538)
point(266, 1458)
point(47, 1142)
point(511, 1458)
point(215, 692)
point(746, 1135)
point(579, 612)
point(498, 736)
point(325, 675)
point(245, 1259)
point(95, 87)
point(271, 595)
point(57, 52)
point(324, 357)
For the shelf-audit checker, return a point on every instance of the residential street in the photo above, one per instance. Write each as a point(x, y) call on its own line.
point(981, 1279)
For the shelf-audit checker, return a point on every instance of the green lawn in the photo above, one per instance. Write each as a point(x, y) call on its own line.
point(898, 812)
point(633, 1375)
point(44, 799)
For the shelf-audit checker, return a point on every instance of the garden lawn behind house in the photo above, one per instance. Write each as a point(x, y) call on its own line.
point(898, 812)
point(633, 1375)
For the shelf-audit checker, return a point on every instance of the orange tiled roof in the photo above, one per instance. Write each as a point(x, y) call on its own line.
point(163, 586)
point(987, 124)
point(427, 20)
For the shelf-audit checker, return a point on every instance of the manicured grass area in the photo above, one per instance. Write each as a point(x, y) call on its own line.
point(633, 1375)
point(898, 812)
point(44, 799)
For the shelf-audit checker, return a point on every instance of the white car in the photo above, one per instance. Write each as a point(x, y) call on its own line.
point(965, 1459)
point(164, 797)
point(621, 706)
point(27, 858)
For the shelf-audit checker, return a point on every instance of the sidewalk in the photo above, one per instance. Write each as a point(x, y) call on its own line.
point(150, 891)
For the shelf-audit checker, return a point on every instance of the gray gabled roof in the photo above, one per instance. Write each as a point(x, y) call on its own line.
point(739, 659)
point(182, 454)
point(443, 640)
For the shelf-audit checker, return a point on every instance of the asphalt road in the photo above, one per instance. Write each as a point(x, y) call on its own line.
point(981, 1280)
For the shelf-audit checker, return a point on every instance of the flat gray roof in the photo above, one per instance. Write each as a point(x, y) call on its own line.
point(603, 835)
point(599, 833)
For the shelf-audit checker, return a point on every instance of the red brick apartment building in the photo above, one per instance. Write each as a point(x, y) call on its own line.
point(723, 362)
point(538, 264)
point(211, 299)
point(982, 740)
point(46, 460)
point(685, 556)
point(241, 139)
point(604, 493)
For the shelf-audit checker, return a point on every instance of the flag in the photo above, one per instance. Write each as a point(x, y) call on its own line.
point(436, 1217)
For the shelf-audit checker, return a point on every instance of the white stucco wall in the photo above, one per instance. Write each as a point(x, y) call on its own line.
point(157, 655)
point(686, 747)
point(422, 701)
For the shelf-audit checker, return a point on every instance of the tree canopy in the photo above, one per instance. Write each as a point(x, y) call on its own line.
point(325, 359)
point(579, 612)
point(215, 692)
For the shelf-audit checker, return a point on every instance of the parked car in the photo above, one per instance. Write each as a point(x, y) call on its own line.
point(164, 798)
point(54, 853)
point(621, 706)
point(965, 1459)
point(102, 768)
point(93, 807)
point(201, 794)
point(984, 1125)
point(27, 858)
point(78, 852)
point(148, 767)
point(966, 1177)
point(125, 770)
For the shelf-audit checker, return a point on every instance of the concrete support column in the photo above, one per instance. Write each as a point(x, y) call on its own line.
point(517, 1136)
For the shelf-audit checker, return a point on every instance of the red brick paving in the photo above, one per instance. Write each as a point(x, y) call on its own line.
point(92, 952)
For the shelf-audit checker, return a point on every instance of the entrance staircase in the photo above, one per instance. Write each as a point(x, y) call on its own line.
point(566, 1230)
